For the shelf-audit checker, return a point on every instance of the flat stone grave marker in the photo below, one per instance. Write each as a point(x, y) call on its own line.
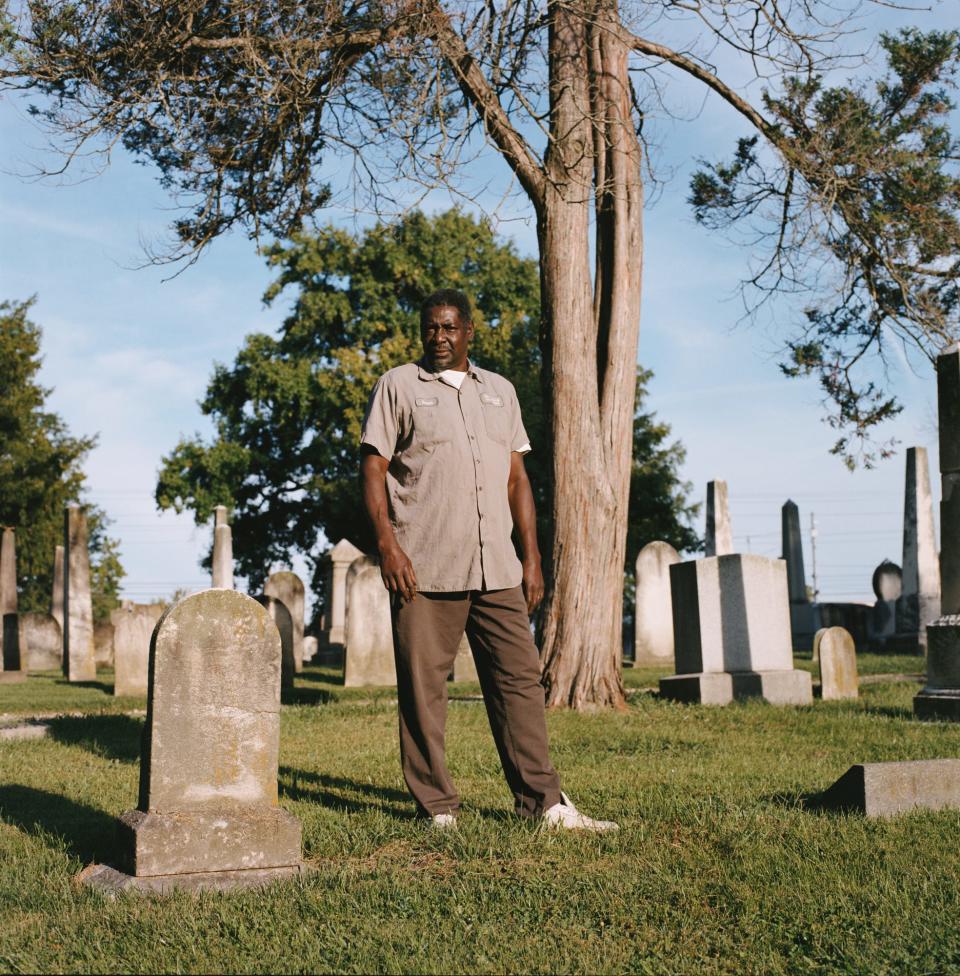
point(837, 654)
point(891, 788)
point(208, 815)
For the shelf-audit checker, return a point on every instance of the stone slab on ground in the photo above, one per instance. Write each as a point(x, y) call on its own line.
point(113, 882)
point(24, 731)
point(890, 788)
point(12, 677)
point(724, 687)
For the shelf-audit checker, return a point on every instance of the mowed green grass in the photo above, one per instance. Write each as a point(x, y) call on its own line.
point(719, 866)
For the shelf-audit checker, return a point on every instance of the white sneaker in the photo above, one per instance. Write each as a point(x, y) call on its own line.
point(565, 816)
point(444, 821)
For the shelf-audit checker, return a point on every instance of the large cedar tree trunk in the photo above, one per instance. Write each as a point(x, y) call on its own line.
point(590, 332)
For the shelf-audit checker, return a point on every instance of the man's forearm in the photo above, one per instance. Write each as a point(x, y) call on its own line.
point(524, 513)
point(373, 476)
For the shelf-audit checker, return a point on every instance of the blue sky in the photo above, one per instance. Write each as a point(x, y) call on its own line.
point(128, 354)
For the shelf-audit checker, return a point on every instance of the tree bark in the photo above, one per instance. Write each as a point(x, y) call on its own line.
point(590, 336)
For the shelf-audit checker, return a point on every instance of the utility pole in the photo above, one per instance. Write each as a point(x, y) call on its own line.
point(813, 554)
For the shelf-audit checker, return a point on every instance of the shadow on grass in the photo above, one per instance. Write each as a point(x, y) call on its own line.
point(110, 736)
point(307, 696)
point(889, 711)
point(87, 833)
point(103, 686)
point(328, 791)
point(815, 803)
point(321, 677)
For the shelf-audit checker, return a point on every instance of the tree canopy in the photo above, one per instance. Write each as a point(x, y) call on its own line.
point(289, 409)
point(41, 472)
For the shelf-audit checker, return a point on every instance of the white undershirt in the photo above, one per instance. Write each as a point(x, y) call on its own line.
point(454, 378)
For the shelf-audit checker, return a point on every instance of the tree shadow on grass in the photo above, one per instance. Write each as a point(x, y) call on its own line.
point(321, 677)
point(328, 791)
point(110, 736)
point(88, 834)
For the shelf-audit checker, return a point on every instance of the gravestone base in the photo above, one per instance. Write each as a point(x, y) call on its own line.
point(210, 841)
point(113, 882)
point(940, 698)
point(12, 677)
point(722, 688)
point(888, 788)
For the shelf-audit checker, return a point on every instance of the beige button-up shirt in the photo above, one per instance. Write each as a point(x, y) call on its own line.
point(449, 452)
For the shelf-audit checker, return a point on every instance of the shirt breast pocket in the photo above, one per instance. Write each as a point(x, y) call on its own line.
point(429, 424)
point(496, 418)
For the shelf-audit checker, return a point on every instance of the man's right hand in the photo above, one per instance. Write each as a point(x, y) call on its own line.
point(397, 573)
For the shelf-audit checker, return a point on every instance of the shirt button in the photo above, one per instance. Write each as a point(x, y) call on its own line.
point(480, 488)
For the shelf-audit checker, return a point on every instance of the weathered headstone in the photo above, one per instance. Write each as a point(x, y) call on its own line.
point(887, 585)
point(133, 626)
point(56, 598)
point(9, 621)
point(208, 815)
point(368, 651)
point(79, 663)
point(280, 615)
point(287, 587)
point(837, 655)
point(653, 613)
point(338, 561)
point(103, 653)
point(803, 613)
point(44, 642)
point(890, 788)
point(919, 603)
point(309, 648)
point(940, 697)
point(719, 535)
point(464, 666)
point(731, 625)
point(222, 550)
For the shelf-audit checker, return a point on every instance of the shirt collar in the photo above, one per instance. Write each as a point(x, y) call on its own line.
point(424, 372)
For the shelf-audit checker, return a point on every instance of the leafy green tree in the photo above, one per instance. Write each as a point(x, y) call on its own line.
point(288, 412)
point(41, 472)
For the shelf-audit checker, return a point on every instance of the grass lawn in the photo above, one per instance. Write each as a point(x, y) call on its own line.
point(718, 868)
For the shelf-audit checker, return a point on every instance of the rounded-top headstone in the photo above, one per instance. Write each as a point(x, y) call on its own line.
point(368, 657)
point(288, 588)
point(213, 723)
point(835, 649)
point(280, 615)
point(653, 613)
point(887, 581)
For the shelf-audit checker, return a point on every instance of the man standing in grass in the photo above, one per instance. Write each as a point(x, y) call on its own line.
point(444, 484)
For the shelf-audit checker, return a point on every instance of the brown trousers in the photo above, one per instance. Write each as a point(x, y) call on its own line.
point(426, 634)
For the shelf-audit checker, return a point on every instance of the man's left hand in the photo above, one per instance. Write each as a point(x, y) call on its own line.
point(532, 585)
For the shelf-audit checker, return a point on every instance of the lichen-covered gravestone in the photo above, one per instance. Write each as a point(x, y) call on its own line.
point(208, 815)
point(288, 588)
point(837, 655)
point(133, 626)
point(280, 615)
point(368, 651)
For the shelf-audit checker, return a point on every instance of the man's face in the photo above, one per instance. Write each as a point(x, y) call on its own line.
point(445, 338)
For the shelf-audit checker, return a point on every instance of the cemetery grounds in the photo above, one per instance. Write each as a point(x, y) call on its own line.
point(720, 865)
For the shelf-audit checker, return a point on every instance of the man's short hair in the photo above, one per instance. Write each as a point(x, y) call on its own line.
point(452, 298)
